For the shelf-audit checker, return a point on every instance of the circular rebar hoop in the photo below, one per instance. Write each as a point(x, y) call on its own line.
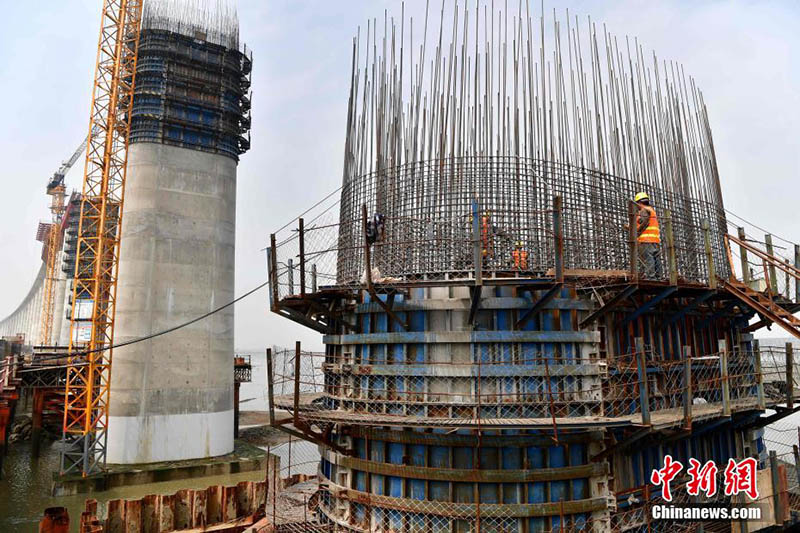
point(432, 208)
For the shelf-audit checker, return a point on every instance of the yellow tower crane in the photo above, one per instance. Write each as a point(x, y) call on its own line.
point(96, 262)
point(52, 243)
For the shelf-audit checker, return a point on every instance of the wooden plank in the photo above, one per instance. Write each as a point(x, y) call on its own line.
point(466, 510)
point(473, 475)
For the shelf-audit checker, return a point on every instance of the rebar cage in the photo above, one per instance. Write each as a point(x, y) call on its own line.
point(429, 208)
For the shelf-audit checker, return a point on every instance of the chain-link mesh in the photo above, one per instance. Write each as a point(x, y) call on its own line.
point(505, 383)
point(557, 388)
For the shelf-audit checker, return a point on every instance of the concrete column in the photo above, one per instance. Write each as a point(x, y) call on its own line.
point(58, 307)
point(172, 396)
point(63, 333)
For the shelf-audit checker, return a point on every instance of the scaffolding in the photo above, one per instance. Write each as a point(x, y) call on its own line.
point(191, 93)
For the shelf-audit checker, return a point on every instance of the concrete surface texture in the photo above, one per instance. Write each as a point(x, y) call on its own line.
point(172, 396)
point(62, 324)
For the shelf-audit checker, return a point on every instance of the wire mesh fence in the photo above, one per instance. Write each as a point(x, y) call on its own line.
point(502, 384)
point(494, 384)
point(780, 369)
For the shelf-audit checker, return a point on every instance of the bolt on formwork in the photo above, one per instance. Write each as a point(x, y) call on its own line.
point(498, 357)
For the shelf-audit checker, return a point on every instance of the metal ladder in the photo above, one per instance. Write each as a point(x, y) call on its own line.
point(771, 306)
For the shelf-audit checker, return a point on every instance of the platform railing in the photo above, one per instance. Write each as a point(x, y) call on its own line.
point(425, 250)
point(588, 231)
point(765, 267)
point(539, 388)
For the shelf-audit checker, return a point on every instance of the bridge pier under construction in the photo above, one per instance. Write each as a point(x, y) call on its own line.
point(504, 350)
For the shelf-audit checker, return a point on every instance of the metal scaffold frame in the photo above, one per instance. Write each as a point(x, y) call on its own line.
point(88, 385)
point(52, 247)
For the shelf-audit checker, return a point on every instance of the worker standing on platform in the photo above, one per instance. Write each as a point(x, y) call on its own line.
point(649, 236)
point(520, 257)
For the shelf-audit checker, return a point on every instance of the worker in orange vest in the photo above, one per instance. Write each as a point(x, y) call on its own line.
point(520, 257)
point(649, 236)
point(486, 231)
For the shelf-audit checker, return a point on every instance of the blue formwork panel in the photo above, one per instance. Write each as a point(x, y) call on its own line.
point(488, 492)
point(395, 453)
point(536, 525)
point(439, 491)
point(417, 489)
point(556, 459)
point(376, 452)
point(360, 481)
point(463, 492)
point(377, 484)
point(417, 454)
point(360, 446)
point(512, 458)
point(489, 458)
point(395, 487)
point(440, 457)
point(577, 456)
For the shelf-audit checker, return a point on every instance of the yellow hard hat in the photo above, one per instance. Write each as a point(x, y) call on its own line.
point(641, 196)
point(519, 244)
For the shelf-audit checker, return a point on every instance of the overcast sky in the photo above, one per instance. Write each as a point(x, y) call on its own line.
point(745, 57)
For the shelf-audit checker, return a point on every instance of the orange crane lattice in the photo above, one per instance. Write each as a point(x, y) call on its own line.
point(52, 243)
point(96, 261)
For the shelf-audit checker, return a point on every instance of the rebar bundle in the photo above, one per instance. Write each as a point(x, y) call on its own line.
point(214, 21)
point(508, 109)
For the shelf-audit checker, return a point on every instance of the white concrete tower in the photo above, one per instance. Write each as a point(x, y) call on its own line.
point(172, 396)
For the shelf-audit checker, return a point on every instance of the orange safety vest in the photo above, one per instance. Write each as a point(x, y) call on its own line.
point(520, 259)
point(485, 234)
point(652, 233)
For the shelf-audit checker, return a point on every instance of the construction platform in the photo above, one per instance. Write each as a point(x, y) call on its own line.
point(245, 458)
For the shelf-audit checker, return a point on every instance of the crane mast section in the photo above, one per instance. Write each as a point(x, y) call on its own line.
point(95, 281)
